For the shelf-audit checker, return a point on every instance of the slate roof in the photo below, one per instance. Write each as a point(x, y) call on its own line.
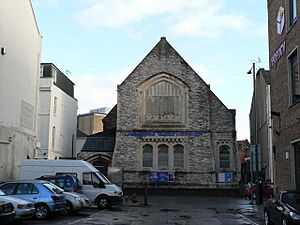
point(80, 134)
point(99, 144)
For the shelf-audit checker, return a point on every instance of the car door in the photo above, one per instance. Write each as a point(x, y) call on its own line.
point(27, 191)
point(272, 207)
point(92, 185)
point(278, 209)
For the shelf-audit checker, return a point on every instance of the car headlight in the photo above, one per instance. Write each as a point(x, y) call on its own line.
point(78, 199)
point(21, 206)
point(294, 216)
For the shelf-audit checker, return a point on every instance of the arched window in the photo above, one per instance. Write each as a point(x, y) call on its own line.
point(163, 100)
point(147, 156)
point(224, 155)
point(163, 156)
point(53, 137)
point(54, 106)
point(178, 156)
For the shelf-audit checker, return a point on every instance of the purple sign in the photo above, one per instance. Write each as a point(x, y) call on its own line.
point(280, 51)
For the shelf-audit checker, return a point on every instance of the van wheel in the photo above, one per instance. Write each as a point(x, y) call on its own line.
point(41, 211)
point(102, 202)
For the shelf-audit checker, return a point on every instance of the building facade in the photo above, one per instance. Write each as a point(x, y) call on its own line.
point(284, 41)
point(243, 148)
point(98, 148)
point(170, 122)
point(90, 123)
point(260, 128)
point(57, 118)
point(20, 43)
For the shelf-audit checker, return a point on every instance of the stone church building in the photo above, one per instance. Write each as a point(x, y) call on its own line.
point(170, 123)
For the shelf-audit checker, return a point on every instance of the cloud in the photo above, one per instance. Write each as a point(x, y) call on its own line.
point(242, 125)
point(98, 90)
point(179, 17)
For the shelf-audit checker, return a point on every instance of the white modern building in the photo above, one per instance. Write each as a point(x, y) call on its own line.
point(102, 110)
point(20, 49)
point(57, 118)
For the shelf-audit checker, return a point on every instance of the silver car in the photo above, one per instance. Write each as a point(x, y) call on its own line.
point(24, 209)
point(74, 201)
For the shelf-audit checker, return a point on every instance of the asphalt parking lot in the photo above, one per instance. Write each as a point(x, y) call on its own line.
point(166, 210)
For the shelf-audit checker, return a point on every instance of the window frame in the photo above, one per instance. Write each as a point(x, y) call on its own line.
point(182, 159)
point(143, 154)
point(292, 12)
point(159, 159)
point(53, 137)
point(31, 191)
point(54, 106)
point(228, 149)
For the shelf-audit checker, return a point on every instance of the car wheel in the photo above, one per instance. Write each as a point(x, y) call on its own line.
point(69, 208)
point(267, 220)
point(41, 211)
point(102, 202)
point(284, 221)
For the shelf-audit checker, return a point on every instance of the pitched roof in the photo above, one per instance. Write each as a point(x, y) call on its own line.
point(80, 134)
point(99, 144)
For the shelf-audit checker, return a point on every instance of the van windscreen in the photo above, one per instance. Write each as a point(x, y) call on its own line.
point(102, 178)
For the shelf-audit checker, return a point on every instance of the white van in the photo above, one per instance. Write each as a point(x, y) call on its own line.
point(94, 184)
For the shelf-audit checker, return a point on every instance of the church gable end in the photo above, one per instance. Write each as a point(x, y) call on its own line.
point(169, 120)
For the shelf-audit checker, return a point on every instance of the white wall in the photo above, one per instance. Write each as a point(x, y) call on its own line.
point(64, 121)
point(79, 144)
point(19, 80)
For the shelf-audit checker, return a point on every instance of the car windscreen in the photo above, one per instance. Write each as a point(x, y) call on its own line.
point(54, 188)
point(103, 178)
point(290, 198)
point(2, 193)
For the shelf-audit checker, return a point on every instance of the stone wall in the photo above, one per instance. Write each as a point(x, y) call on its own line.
point(206, 116)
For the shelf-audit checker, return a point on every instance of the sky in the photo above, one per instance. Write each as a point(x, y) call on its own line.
point(99, 42)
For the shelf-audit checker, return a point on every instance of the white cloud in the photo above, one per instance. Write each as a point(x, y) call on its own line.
point(213, 80)
point(179, 17)
point(94, 90)
point(242, 125)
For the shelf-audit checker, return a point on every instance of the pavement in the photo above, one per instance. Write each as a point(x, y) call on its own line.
point(197, 210)
point(167, 210)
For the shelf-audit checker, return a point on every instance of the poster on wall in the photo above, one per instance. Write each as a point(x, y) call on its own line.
point(225, 177)
point(162, 177)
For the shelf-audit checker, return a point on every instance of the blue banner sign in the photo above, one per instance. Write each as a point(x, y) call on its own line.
point(162, 177)
point(164, 134)
point(226, 177)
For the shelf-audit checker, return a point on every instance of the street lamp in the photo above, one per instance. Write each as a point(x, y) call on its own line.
point(255, 123)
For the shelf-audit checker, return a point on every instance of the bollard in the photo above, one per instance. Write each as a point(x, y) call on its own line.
point(146, 195)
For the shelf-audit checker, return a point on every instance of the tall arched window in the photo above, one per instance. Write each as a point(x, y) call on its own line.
point(147, 156)
point(163, 156)
point(54, 106)
point(178, 156)
point(53, 137)
point(224, 155)
point(163, 100)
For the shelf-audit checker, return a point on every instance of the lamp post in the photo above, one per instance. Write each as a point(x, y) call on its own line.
point(255, 124)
